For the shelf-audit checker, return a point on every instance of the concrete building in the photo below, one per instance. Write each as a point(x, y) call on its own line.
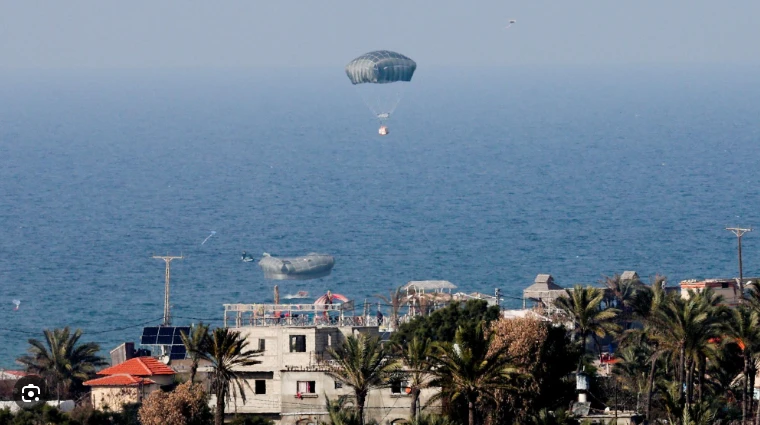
point(290, 385)
point(727, 288)
point(128, 382)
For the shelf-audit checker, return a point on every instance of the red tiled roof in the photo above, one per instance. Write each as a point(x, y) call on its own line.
point(139, 366)
point(119, 380)
point(16, 372)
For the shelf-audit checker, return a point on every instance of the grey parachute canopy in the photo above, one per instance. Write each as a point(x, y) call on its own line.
point(380, 67)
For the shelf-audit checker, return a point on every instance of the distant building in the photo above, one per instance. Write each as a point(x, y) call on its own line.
point(8, 379)
point(728, 288)
point(128, 382)
point(543, 291)
point(425, 296)
point(290, 384)
point(491, 300)
point(629, 275)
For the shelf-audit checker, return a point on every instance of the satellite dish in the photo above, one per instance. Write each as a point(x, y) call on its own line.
point(164, 359)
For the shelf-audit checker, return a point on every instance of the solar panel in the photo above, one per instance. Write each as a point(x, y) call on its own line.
point(149, 336)
point(178, 334)
point(165, 335)
point(177, 352)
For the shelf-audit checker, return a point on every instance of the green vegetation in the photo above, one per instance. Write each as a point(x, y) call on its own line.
point(679, 360)
point(62, 361)
point(226, 351)
point(362, 364)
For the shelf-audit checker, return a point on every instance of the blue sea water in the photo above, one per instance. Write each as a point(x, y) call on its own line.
point(489, 177)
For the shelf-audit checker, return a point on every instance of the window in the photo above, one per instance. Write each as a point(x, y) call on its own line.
point(298, 343)
point(260, 387)
point(399, 387)
point(262, 344)
point(338, 385)
point(307, 387)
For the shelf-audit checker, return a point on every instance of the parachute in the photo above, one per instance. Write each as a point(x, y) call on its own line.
point(373, 74)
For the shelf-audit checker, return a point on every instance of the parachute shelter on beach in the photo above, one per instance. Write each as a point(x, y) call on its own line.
point(310, 266)
point(372, 74)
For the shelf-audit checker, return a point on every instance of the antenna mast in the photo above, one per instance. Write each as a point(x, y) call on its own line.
point(168, 259)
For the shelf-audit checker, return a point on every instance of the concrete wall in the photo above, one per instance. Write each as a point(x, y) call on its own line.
point(281, 370)
point(116, 397)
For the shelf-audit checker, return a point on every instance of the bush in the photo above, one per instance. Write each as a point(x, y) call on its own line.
point(186, 405)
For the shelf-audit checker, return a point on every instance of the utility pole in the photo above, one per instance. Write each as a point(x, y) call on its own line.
point(739, 232)
point(168, 259)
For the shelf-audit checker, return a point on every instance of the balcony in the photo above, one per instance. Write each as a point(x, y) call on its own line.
point(294, 315)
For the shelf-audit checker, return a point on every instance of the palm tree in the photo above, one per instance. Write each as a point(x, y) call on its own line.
point(193, 343)
point(341, 412)
point(62, 361)
point(624, 291)
point(744, 330)
point(431, 419)
point(683, 328)
point(583, 306)
point(632, 369)
point(395, 299)
point(362, 364)
point(645, 305)
point(546, 417)
point(226, 351)
point(416, 357)
point(471, 369)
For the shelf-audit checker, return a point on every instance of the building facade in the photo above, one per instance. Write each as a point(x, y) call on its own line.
point(291, 385)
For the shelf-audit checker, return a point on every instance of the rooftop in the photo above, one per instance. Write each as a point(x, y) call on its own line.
point(291, 315)
point(139, 366)
point(429, 285)
point(118, 380)
point(543, 283)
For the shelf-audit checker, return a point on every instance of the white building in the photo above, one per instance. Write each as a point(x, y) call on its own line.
point(290, 384)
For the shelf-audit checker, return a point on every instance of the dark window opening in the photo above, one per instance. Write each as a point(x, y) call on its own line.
point(298, 343)
point(338, 385)
point(262, 344)
point(307, 387)
point(260, 387)
point(399, 387)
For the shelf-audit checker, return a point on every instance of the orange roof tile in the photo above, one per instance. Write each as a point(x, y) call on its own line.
point(119, 380)
point(139, 366)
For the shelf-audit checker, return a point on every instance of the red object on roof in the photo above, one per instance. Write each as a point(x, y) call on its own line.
point(19, 373)
point(139, 366)
point(119, 380)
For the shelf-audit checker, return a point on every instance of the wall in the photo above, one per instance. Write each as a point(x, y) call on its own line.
point(116, 397)
point(281, 370)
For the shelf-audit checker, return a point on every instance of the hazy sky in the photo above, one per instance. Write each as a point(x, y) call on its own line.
point(233, 33)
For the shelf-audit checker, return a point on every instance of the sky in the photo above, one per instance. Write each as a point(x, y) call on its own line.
point(149, 34)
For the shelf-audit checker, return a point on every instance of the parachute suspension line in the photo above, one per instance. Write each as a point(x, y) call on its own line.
point(385, 115)
point(368, 103)
point(381, 101)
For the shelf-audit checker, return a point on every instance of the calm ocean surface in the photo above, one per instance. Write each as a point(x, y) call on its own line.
point(489, 177)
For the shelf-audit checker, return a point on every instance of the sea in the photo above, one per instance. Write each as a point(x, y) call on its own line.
point(489, 176)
